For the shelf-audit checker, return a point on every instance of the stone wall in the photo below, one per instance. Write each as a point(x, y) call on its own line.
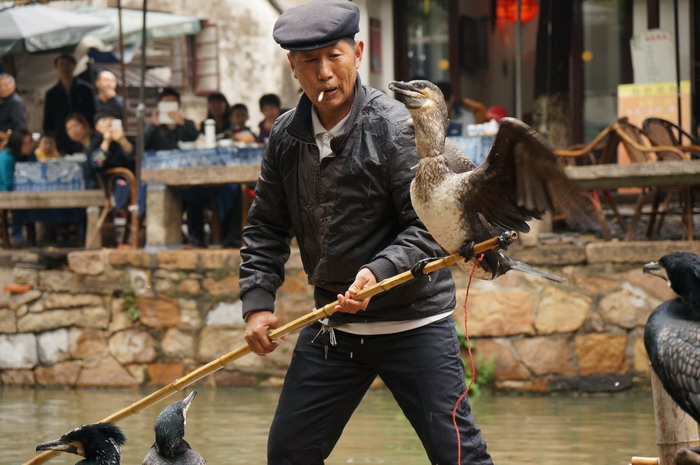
point(127, 318)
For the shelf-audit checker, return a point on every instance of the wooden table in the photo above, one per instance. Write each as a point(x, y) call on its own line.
point(611, 176)
point(163, 203)
point(91, 199)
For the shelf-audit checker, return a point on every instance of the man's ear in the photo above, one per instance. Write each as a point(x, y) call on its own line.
point(359, 50)
point(291, 64)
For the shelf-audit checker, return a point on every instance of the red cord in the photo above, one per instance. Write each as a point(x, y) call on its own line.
point(471, 361)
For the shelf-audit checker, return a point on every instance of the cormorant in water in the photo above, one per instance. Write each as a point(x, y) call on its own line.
point(99, 443)
point(672, 336)
point(461, 203)
point(170, 447)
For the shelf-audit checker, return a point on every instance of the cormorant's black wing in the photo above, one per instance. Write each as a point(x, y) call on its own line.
point(457, 162)
point(520, 179)
point(152, 457)
point(676, 360)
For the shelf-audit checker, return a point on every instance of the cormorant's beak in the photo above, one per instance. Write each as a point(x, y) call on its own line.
point(61, 446)
point(188, 401)
point(412, 97)
point(653, 268)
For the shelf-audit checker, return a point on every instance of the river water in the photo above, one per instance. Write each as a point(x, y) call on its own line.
point(229, 426)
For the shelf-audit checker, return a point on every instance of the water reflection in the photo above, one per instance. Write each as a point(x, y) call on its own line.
point(230, 426)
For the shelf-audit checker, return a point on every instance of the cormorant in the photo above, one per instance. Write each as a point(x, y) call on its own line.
point(461, 203)
point(170, 448)
point(672, 334)
point(99, 443)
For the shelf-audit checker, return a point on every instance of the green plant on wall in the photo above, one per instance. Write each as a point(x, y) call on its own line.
point(130, 301)
point(484, 368)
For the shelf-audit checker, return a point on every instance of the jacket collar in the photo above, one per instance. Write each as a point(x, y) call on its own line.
point(301, 128)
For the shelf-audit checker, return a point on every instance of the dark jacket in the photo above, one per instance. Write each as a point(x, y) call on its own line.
point(348, 211)
point(163, 138)
point(100, 160)
point(59, 104)
point(13, 116)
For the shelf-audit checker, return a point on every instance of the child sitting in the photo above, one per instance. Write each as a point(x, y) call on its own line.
point(46, 148)
point(239, 131)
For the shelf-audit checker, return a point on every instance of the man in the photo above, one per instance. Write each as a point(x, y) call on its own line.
point(336, 175)
point(107, 100)
point(69, 95)
point(13, 116)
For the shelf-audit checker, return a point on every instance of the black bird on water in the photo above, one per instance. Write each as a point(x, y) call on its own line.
point(672, 336)
point(170, 448)
point(99, 443)
point(461, 203)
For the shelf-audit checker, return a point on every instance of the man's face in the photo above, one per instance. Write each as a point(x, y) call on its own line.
point(65, 68)
point(6, 88)
point(106, 81)
point(331, 69)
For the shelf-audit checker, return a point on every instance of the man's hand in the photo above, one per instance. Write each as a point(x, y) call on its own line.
point(258, 326)
point(364, 279)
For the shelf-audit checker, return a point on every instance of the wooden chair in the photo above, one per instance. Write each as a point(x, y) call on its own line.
point(663, 132)
point(641, 149)
point(132, 232)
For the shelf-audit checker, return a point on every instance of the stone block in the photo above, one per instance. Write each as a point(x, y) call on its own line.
point(601, 353)
point(60, 374)
point(191, 318)
point(225, 259)
point(189, 286)
point(497, 314)
point(37, 306)
point(90, 262)
point(653, 285)
point(177, 344)
point(96, 317)
point(107, 373)
point(133, 346)
point(56, 281)
point(18, 351)
point(17, 378)
point(595, 284)
point(291, 308)
point(52, 346)
point(162, 374)
point(227, 285)
point(215, 341)
point(561, 311)
point(560, 254)
point(8, 322)
point(636, 251)
point(120, 317)
point(235, 378)
point(296, 286)
point(38, 322)
point(627, 308)
point(178, 259)
point(534, 385)
point(105, 283)
point(507, 366)
point(17, 300)
point(25, 276)
point(545, 355)
point(226, 314)
point(71, 300)
point(640, 358)
point(87, 344)
point(136, 258)
point(159, 311)
point(163, 286)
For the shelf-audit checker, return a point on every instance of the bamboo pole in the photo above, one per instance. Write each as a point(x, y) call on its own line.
point(179, 384)
point(675, 429)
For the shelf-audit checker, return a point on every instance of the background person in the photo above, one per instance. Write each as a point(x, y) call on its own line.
point(106, 99)
point(218, 109)
point(239, 130)
point(69, 95)
point(336, 175)
point(271, 108)
point(462, 111)
point(46, 148)
point(13, 115)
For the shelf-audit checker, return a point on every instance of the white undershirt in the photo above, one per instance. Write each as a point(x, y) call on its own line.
point(323, 141)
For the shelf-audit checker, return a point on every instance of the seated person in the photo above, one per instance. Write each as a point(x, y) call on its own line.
point(79, 132)
point(20, 143)
point(109, 148)
point(219, 110)
point(238, 130)
point(462, 112)
point(271, 108)
point(46, 149)
point(165, 136)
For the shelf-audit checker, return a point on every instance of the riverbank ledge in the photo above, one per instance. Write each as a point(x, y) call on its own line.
point(122, 318)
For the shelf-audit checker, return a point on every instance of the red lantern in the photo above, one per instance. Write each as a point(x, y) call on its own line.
point(507, 10)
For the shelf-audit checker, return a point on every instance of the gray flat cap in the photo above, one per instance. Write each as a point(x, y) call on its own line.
point(316, 24)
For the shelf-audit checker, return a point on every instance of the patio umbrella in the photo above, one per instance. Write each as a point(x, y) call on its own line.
point(36, 28)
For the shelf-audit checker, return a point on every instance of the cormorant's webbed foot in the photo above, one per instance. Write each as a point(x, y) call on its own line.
point(417, 269)
point(467, 250)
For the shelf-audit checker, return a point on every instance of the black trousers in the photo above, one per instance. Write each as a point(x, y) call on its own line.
point(422, 368)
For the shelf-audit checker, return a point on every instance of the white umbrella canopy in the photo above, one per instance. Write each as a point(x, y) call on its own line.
point(37, 28)
point(158, 25)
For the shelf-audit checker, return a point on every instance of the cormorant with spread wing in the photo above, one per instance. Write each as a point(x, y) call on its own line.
point(672, 335)
point(170, 448)
point(99, 443)
point(461, 203)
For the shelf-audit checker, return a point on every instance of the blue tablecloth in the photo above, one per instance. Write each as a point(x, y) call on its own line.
point(60, 175)
point(476, 148)
point(220, 156)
